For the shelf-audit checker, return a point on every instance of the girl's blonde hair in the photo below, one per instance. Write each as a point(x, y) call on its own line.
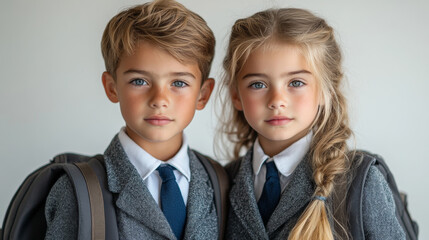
point(315, 39)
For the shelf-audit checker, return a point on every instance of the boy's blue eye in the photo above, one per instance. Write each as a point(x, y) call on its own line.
point(179, 84)
point(257, 85)
point(139, 82)
point(296, 84)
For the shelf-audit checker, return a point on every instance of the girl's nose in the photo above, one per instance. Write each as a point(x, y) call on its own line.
point(277, 99)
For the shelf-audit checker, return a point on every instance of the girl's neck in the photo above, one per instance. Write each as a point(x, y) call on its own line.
point(274, 147)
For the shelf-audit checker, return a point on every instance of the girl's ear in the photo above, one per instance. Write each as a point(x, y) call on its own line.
point(110, 87)
point(236, 101)
point(205, 93)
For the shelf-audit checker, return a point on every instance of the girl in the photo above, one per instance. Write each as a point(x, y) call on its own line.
point(283, 74)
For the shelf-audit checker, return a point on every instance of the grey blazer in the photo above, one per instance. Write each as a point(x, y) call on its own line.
point(244, 221)
point(138, 215)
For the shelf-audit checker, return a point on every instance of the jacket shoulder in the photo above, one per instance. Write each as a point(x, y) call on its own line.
point(61, 211)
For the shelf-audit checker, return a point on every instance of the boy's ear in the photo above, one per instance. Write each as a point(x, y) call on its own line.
point(205, 93)
point(110, 87)
point(236, 101)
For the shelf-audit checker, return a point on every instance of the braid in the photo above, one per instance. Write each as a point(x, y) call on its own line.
point(329, 163)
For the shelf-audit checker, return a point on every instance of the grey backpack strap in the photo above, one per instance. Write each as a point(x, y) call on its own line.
point(100, 201)
point(95, 201)
point(97, 164)
point(223, 195)
point(354, 204)
point(232, 168)
point(220, 182)
point(84, 208)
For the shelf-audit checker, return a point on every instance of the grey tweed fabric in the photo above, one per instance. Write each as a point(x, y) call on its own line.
point(244, 221)
point(138, 215)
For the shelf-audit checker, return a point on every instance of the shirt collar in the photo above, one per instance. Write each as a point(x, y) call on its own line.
point(146, 163)
point(287, 160)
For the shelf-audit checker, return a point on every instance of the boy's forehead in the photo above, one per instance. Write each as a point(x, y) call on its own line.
point(151, 58)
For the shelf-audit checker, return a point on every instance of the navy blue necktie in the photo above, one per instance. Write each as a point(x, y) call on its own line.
point(271, 192)
point(172, 203)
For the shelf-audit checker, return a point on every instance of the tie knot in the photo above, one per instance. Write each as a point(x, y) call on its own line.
point(271, 170)
point(166, 172)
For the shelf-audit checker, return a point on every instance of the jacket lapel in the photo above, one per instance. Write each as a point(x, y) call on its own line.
point(243, 202)
point(200, 197)
point(133, 196)
point(295, 197)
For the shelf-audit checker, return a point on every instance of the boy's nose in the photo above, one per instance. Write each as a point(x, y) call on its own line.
point(277, 99)
point(159, 99)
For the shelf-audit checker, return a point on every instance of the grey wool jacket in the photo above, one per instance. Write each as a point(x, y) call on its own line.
point(244, 221)
point(138, 215)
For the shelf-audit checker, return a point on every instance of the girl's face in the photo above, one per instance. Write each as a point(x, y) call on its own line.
point(278, 95)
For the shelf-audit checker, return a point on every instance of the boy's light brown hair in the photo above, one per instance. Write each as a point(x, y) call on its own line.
point(165, 23)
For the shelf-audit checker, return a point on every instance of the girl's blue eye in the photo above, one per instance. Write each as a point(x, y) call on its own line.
point(296, 84)
point(257, 85)
point(139, 82)
point(179, 84)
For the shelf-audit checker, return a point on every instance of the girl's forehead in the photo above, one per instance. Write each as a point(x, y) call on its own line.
point(275, 44)
point(284, 54)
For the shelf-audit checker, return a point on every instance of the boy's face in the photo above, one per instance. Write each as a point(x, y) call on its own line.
point(158, 97)
point(278, 95)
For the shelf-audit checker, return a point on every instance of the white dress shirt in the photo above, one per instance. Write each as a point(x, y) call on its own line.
point(286, 162)
point(146, 166)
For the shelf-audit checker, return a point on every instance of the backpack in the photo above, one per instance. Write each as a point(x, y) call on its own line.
point(355, 194)
point(25, 216)
point(354, 201)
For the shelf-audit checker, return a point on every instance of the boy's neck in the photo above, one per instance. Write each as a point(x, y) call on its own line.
point(162, 150)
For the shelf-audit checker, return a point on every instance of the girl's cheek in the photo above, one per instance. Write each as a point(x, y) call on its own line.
point(252, 104)
point(306, 105)
point(252, 97)
point(250, 101)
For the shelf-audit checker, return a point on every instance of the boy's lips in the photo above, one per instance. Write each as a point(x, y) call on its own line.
point(278, 120)
point(158, 120)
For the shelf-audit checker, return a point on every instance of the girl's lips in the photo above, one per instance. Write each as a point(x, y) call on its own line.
point(278, 121)
point(158, 120)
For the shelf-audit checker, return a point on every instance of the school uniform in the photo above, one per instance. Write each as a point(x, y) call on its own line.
point(244, 219)
point(138, 213)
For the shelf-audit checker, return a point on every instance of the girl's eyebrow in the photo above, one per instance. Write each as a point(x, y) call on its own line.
point(255, 75)
point(303, 71)
point(263, 75)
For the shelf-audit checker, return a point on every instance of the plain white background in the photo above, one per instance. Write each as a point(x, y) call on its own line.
point(52, 100)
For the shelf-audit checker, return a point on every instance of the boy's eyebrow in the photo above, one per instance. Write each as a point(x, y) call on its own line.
point(283, 75)
point(175, 74)
point(183, 74)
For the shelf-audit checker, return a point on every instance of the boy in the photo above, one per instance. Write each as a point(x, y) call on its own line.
point(158, 57)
